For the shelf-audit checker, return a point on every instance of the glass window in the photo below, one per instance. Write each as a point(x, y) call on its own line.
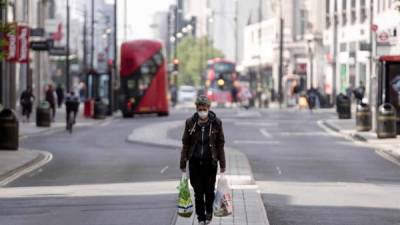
point(353, 4)
point(327, 6)
point(344, 5)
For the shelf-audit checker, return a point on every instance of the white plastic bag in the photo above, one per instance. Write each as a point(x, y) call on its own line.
point(185, 204)
point(223, 198)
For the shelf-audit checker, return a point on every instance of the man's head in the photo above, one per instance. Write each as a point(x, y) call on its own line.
point(203, 106)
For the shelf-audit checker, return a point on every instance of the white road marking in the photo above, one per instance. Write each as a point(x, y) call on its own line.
point(303, 134)
point(256, 124)
point(91, 190)
point(387, 157)
point(47, 158)
point(257, 142)
point(265, 133)
point(336, 194)
point(279, 170)
point(164, 169)
point(106, 123)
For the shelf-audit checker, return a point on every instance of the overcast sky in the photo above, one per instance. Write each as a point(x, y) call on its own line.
point(140, 15)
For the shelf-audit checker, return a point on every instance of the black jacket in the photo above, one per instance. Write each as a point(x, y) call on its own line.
point(217, 139)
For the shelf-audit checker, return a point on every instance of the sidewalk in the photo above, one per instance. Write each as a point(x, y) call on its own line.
point(14, 164)
point(29, 129)
point(347, 128)
point(247, 203)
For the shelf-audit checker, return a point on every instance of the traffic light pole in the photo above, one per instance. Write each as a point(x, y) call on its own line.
point(67, 71)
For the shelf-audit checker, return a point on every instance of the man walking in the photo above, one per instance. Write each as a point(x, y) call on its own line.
point(26, 100)
point(203, 146)
point(51, 99)
point(60, 95)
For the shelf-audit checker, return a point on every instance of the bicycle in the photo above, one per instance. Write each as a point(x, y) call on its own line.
point(70, 122)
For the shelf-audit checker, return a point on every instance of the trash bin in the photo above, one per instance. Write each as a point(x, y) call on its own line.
point(363, 117)
point(9, 130)
point(386, 121)
point(100, 109)
point(43, 115)
point(343, 106)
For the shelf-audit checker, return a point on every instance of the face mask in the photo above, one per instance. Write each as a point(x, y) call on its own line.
point(203, 114)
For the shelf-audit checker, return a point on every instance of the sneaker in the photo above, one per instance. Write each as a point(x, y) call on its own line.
point(202, 223)
point(208, 218)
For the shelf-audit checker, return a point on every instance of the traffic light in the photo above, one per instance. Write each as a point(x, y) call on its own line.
point(176, 64)
point(221, 82)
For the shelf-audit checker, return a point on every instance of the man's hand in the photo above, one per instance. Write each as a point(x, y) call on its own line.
point(222, 170)
point(183, 170)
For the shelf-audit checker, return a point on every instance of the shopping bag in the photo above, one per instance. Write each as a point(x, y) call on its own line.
point(223, 198)
point(185, 204)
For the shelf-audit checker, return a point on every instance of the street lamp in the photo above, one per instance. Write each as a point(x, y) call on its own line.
point(179, 35)
point(311, 55)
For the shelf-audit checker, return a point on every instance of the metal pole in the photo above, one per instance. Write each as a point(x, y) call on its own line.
point(68, 82)
point(85, 40)
point(125, 20)
point(334, 57)
point(115, 74)
point(92, 39)
point(280, 94)
point(236, 31)
point(371, 59)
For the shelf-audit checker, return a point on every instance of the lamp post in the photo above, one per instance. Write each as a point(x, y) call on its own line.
point(67, 69)
point(311, 59)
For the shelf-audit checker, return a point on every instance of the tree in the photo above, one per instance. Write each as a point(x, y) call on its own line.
point(193, 54)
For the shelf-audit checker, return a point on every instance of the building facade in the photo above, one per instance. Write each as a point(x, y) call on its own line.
point(347, 41)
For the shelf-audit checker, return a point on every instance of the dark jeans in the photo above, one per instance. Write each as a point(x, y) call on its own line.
point(27, 110)
point(202, 179)
point(69, 111)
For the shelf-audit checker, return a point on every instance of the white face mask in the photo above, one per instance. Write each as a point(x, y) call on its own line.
point(203, 114)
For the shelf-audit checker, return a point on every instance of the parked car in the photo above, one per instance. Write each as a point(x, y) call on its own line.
point(187, 93)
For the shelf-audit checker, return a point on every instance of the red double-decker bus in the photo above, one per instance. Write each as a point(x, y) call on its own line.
point(221, 77)
point(143, 79)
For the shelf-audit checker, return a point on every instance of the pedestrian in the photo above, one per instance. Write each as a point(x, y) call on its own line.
point(51, 99)
point(27, 98)
point(311, 98)
point(60, 95)
point(203, 146)
point(71, 106)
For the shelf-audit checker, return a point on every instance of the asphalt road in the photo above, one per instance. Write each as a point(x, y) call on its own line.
point(308, 176)
point(96, 178)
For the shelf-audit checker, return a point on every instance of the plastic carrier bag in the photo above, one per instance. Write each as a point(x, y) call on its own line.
point(223, 198)
point(185, 204)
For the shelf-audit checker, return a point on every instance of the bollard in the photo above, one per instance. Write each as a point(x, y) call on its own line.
point(363, 117)
point(9, 130)
point(386, 121)
point(43, 115)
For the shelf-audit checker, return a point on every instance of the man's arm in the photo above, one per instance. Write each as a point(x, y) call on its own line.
point(220, 147)
point(185, 147)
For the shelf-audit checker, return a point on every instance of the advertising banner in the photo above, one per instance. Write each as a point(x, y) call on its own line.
point(11, 46)
point(23, 43)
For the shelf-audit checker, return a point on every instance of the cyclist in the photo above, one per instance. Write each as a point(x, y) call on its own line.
point(72, 106)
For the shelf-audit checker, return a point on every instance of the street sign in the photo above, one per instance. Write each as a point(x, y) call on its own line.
point(58, 51)
point(12, 48)
point(41, 45)
point(23, 42)
point(383, 38)
point(37, 32)
point(374, 27)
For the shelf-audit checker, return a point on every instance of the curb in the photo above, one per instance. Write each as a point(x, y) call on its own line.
point(386, 153)
point(41, 160)
point(52, 130)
